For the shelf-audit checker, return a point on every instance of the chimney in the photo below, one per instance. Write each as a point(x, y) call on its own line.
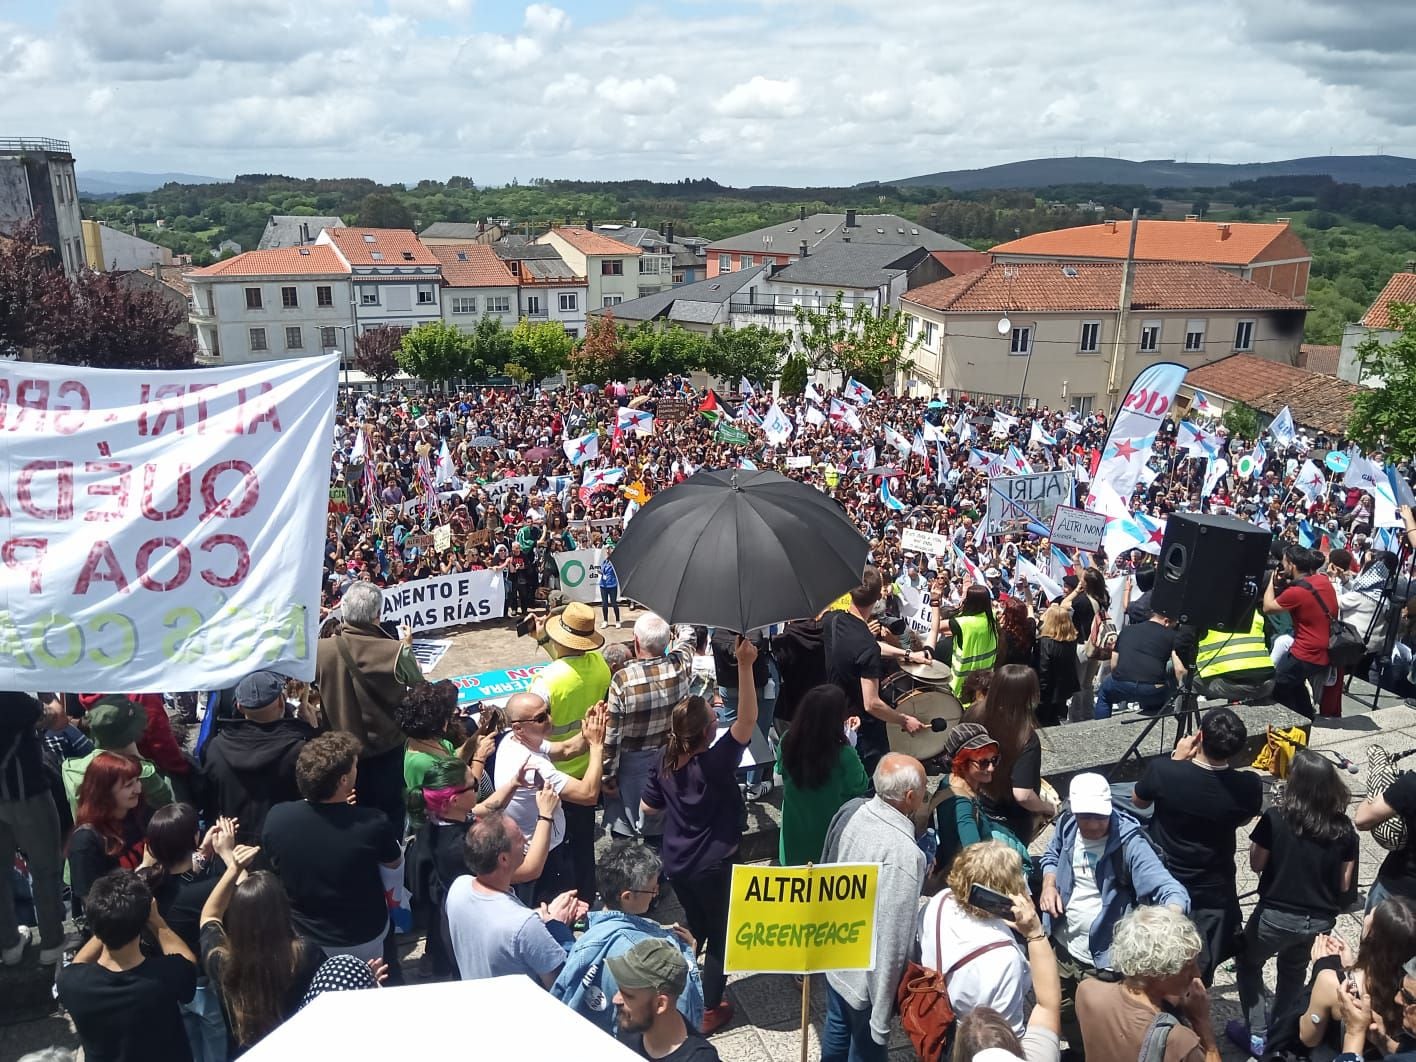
point(669, 233)
point(1111, 225)
point(661, 227)
point(1223, 230)
point(850, 219)
point(801, 213)
point(590, 224)
point(804, 250)
point(1192, 217)
point(304, 232)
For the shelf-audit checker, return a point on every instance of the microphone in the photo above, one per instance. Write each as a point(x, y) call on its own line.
point(1343, 762)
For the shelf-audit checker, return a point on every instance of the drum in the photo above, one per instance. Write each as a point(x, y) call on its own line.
point(930, 706)
point(935, 674)
point(912, 678)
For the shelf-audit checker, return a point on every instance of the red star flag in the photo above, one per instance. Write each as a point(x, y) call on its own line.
point(1133, 431)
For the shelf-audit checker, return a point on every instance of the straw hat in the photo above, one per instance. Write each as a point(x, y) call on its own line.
point(575, 627)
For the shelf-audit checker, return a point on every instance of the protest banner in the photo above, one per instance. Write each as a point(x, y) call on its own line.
point(442, 538)
point(912, 540)
point(580, 574)
point(478, 538)
point(799, 461)
point(153, 531)
point(428, 653)
point(802, 919)
point(1014, 502)
point(499, 491)
point(493, 685)
point(1077, 528)
point(446, 600)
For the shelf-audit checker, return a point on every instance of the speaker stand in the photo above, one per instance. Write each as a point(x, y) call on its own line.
point(1186, 713)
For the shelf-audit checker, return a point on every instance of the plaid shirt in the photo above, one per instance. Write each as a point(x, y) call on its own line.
point(642, 696)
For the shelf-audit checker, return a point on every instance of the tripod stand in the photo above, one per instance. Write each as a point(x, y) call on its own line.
point(1393, 611)
point(1184, 708)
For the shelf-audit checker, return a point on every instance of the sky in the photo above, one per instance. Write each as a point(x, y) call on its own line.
point(820, 92)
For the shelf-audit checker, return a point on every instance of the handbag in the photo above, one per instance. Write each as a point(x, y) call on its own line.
point(1346, 646)
point(1381, 773)
point(1101, 643)
point(1277, 754)
point(922, 997)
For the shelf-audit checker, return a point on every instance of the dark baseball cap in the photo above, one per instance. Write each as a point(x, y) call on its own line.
point(259, 688)
point(653, 963)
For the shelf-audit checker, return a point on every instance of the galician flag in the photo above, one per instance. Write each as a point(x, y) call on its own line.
point(1016, 462)
point(888, 499)
point(1196, 441)
point(1202, 406)
point(857, 391)
point(895, 439)
point(1260, 458)
point(446, 472)
point(745, 387)
point(917, 444)
point(1311, 481)
point(638, 421)
point(586, 448)
point(1216, 469)
point(962, 559)
point(1040, 437)
point(843, 414)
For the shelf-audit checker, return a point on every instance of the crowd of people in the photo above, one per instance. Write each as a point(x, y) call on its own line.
point(217, 887)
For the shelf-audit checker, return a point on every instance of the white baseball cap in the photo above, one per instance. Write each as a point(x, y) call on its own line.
point(1089, 794)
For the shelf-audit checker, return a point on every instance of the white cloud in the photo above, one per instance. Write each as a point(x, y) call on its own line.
point(764, 91)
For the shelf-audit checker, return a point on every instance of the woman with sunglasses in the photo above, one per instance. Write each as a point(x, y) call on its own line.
point(959, 821)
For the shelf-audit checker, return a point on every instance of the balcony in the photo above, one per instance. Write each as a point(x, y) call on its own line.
point(21, 144)
point(785, 305)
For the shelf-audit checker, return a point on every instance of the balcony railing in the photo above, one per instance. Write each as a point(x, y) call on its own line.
point(785, 305)
point(33, 143)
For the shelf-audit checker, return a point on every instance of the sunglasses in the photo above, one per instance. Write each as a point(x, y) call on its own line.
point(540, 717)
point(989, 763)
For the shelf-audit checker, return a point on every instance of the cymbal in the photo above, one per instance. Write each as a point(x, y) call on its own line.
point(934, 671)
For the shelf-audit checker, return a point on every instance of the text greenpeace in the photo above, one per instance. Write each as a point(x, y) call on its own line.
point(446, 600)
point(152, 533)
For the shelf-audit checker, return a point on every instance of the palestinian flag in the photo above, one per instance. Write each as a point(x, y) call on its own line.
point(711, 409)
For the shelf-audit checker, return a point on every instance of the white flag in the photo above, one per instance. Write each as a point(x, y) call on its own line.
point(1281, 428)
point(446, 473)
point(1311, 481)
point(745, 387)
point(1216, 468)
point(814, 416)
point(1036, 577)
point(777, 426)
point(812, 394)
point(895, 439)
point(1003, 424)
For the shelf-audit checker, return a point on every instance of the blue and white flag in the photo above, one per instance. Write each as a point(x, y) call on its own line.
point(586, 448)
point(745, 387)
point(898, 441)
point(941, 465)
point(1202, 406)
point(887, 499)
point(1040, 437)
point(1282, 430)
point(777, 426)
point(747, 464)
point(1196, 440)
point(1015, 462)
point(1260, 458)
point(857, 391)
point(1307, 537)
point(963, 430)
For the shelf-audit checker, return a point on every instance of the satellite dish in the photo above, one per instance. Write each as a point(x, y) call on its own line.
point(1004, 326)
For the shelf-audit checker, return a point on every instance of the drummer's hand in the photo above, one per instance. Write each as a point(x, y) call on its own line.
point(922, 656)
point(910, 724)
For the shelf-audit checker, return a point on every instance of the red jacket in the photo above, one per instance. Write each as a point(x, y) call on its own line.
point(157, 743)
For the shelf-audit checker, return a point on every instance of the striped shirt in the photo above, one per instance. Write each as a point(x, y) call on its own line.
point(642, 697)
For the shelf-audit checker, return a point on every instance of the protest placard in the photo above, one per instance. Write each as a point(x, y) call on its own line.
point(442, 538)
point(802, 919)
point(671, 409)
point(1014, 502)
point(478, 538)
point(799, 461)
point(493, 685)
point(931, 545)
point(339, 500)
point(579, 571)
point(446, 600)
point(149, 532)
point(1077, 528)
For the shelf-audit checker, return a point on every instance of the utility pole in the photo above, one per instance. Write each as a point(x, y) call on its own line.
point(1123, 312)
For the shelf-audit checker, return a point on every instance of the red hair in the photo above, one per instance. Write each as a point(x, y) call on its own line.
point(964, 757)
point(95, 803)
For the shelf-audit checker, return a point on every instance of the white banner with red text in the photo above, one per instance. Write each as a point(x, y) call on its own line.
point(158, 530)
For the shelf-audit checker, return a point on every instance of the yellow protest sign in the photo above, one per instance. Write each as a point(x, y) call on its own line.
point(802, 919)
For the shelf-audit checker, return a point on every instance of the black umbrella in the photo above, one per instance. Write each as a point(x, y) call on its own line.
point(739, 550)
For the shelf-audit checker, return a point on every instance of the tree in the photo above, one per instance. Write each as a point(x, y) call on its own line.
point(490, 344)
point(794, 375)
point(437, 352)
point(380, 210)
point(1382, 418)
point(98, 321)
point(600, 357)
point(29, 285)
point(541, 350)
point(1241, 421)
point(375, 353)
point(754, 352)
point(873, 348)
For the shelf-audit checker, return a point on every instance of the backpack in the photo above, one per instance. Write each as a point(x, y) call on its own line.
point(1381, 773)
point(1101, 643)
point(1346, 647)
point(1153, 1046)
point(922, 997)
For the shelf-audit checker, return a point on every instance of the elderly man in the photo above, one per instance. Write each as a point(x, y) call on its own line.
point(1099, 865)
point(493, 934)
point(1156, 951)
point(576, 679)
point(363, 673)
point(878, 829)
point(642, 697)
point(528, 753)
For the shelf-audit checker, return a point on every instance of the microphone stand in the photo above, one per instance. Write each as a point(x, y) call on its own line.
point(1184, 708)
point(1394, 610)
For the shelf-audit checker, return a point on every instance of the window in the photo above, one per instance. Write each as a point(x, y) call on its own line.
point(258, 339)
point(1194, 336)
point(612, 267)
point(725, 263)
point(910, 322)
point(613, 300)
point(328, 340)
point(377, 256)
point(408, 256)
point(677, 278)
point(369, 237)
point(1082, 404)
point(929, 327)
point(253, 298)
point(464, 304)
point(648, 291)
point(1150, 337)
point(1091, 337)
point(574, 333)
point(293, 339)
point(499, 304)
point(1022, 341)
point(425, 295)
point(569, 303)
point(748, 261)
point(1244, 335)
point(289, 298)
point(534, 307)
point(368, 295)
point(324, 295)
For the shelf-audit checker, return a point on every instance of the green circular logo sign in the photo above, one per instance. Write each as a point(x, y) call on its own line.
point(572, 574)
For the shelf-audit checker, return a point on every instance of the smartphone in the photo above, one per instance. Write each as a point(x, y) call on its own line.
point(523, 626)
point(995, 903)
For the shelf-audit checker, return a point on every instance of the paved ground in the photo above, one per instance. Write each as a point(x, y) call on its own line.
point(767, 1025)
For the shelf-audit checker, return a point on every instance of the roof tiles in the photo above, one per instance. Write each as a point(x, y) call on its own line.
point(396, 246)
point(279, 261)
point(1400, 288)
point(587, 242)
point(472, 265)
point(1223, 243)
point(1315, 399)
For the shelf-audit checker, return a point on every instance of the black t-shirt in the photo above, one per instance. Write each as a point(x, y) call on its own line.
point(1196, 813)
point(1144, 650)
point(693, 1049)
point(308, 959)
point(180, 899)
point(1302, 875)
point(852, 654)
point(1083, 612)
point(1398, 871)
point(131, 1015)
point(1026, 772)
point(327, 856)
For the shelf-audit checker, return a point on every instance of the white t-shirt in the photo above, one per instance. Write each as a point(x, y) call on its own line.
point(1084, 906)
point(512, 756)
point(997, 979)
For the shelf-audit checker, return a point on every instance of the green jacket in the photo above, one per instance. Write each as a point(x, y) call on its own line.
point(157, 790)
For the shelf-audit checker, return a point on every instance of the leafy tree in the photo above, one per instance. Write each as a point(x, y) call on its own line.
point(98, 321)
point(1382, 417)
point(652, 353)
point(794, 375)
point(1241, 421)
point(437, 352)
point(375, 353)
point(600, 357)
point(29, 283)
point(541, 350)
point(873, 348)
point(489, 343)
point(755, 352)
point(380, 210)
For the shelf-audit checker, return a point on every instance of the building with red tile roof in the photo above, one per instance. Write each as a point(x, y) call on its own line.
point(1268, 253)
point(396, 279)
point(1319, 402)
point(613, 270)
point(1376, 323)
point(476, 284)
point(1057, 333)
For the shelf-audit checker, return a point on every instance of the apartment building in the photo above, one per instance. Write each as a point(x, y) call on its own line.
point(476, 284)
point(396, 280)
point(610, 268)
